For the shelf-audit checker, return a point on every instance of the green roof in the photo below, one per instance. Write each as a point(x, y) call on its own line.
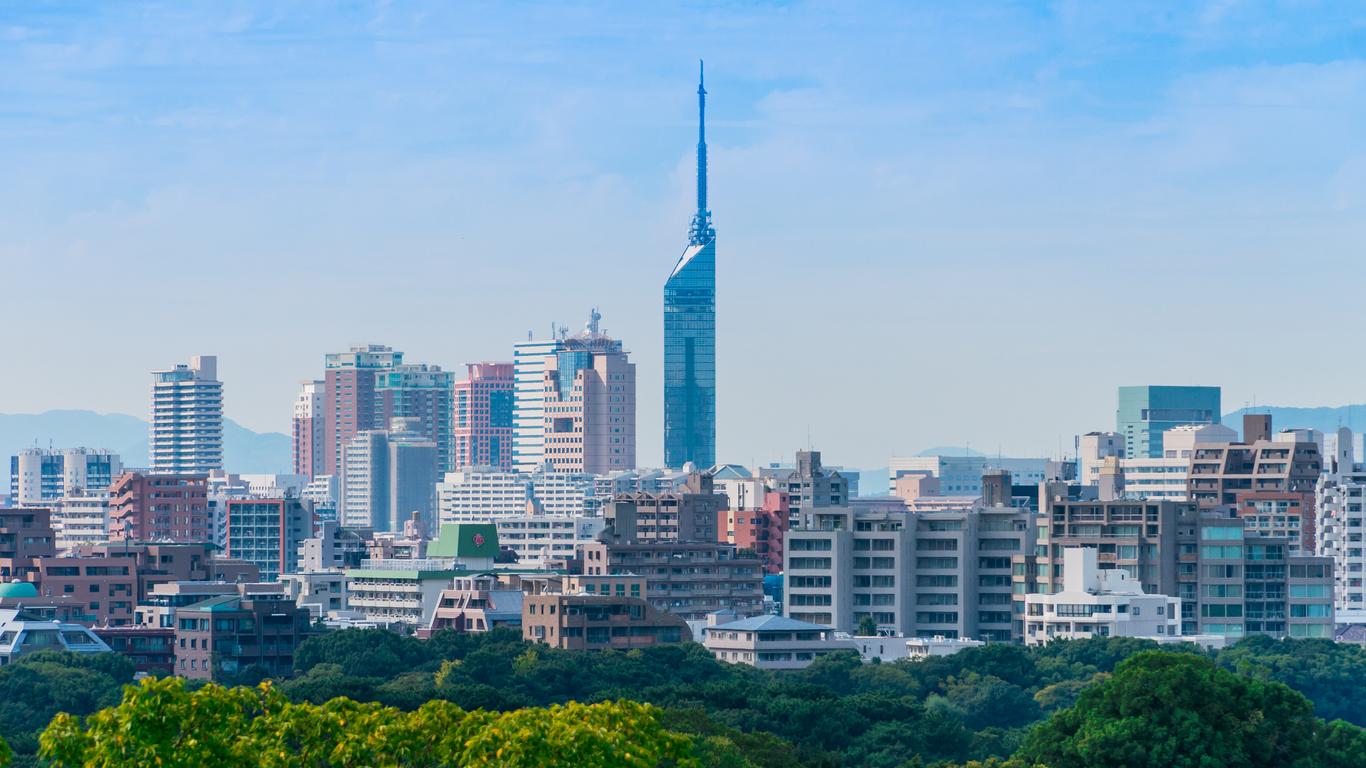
point(17, 589)
point(468, 540)
point(221, 603)
point(393, 573)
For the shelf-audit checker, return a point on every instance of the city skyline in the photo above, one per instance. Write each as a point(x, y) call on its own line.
point(930, 200)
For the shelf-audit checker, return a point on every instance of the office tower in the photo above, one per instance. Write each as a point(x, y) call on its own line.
point(41, 474)
point(187, 418)
point(1146, 412)
point(309, 434)
point(160, 507)
point(349, 397)
point(590, 405)
point(1270, 481)
point(387, 475)
point(423, 395)
point(529, 362)
point(483, 417)
point(268, 533)
point(690, 331)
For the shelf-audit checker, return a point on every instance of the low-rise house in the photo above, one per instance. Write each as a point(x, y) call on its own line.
point(22, 633)
point(772, 642)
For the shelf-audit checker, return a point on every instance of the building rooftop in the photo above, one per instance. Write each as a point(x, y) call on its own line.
point(771, 623)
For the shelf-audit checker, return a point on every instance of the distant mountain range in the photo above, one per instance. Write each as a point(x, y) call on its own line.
point(243, 450)
point(1324, 419)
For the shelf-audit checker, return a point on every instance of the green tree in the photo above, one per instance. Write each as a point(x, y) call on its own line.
point(163, 723)
point(867, 627)
point(1178, 710)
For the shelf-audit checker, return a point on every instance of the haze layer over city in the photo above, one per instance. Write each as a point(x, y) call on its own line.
point(936, 221)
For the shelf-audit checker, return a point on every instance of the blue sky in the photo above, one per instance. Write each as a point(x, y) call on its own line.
point(938, 223)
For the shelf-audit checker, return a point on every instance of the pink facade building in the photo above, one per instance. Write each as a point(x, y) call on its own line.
point(759, 529)
point(308, 432)
point(349, 397)
point(171, 508)
point(483, 417)
point(590, 406)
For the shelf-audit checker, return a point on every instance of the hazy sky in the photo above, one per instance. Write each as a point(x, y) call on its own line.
point(938, 223)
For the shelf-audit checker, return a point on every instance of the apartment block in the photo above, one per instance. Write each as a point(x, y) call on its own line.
point(268, 533)
point(577, 619)
point(25, 536)
point(422, 395)
point(687, 579)
point(758, 525)
point(160, 507)
point(40, 475)
point(688, 514)
point(1268, 479)
point(225, 636)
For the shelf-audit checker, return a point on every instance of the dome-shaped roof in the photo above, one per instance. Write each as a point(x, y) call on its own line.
point(17, 589)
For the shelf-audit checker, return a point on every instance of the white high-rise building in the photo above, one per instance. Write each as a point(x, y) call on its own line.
point(529, 362)
point(78, 520)
point(1092, 450)
point(41, 474)
point(187, 418)
point(387, 475)
point(1340, 512)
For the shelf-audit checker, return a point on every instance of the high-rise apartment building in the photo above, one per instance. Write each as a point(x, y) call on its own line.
point(690, 330)
point(1340, 522)
point(349, 397)
point(1145, 412)
point(40, 474)
point(308, 432)
point(387, 475)
point(590, 405)
point(187, 418)
point(160, 508)
point(483, 417)
point(423, 395)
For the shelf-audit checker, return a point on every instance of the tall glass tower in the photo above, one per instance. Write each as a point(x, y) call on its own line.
point(690, 329)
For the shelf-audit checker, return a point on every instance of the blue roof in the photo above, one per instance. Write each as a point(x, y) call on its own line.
point(772, 623)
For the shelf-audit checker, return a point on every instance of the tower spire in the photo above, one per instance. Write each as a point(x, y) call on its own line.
point(701, 231)
point(701, 139)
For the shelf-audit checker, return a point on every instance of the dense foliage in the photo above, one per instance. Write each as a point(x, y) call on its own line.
point(1175, 710)
point(980, 704)
point(162, 723)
